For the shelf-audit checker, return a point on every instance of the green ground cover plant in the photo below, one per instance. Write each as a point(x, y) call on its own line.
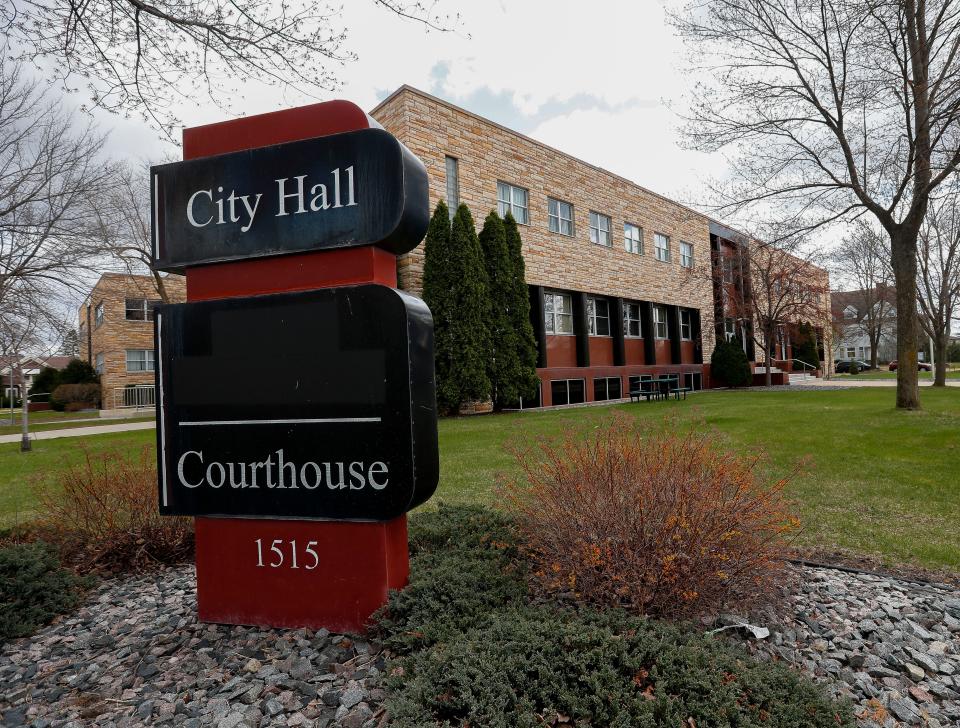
point(475, 648)
point(34, 588)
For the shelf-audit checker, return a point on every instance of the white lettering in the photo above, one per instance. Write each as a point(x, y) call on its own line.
point(193, 197)
point(251, 211)
point(350, 194)
point(316, 476)
point(283, 195)
point(180, 468)
point(378, 468)
point(223, 475)
point(357, 479)
point(319, 200)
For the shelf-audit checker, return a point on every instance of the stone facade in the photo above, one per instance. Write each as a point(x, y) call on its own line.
point(487, 153)
point(107, 333)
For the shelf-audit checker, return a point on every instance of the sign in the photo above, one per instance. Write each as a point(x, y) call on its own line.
point(313, 405)
point(345, 190)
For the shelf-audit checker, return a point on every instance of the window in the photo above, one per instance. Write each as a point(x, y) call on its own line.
point(728, 269)
point(851, 352)
point(567, 391)
point(631, 320)
point(686, 255)
point(660, 322)
point(632, 238)
point(729, 329)
point(98, 315)
point(98, 363)
point(598, 316)
point(453, 184)
point(686, 325)
point(557, 313)
point(560, 216)
point(606, 388)
point(139, 360)
point(634, 381)
point(661, 247)
point(599, 229)
point(513, 200)
point(140, 309)
point(864, 352)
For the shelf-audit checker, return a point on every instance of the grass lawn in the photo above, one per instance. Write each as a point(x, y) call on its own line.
point(46, 424)
point(879, 481)
point(885, 374)
point(40, 418)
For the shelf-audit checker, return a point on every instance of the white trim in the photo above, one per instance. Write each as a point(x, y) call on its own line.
point(319, 420)
point(161, 417)
point(156, 215)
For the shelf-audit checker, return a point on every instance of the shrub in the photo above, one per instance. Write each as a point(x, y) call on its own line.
point(74, 397)
point(105, 516)
point(47, 380)
point(33, 588)
point(663, 523)
point(475, 651)
point(854, 368)
point(78, 371)
point(953, 352)
point(729, 364)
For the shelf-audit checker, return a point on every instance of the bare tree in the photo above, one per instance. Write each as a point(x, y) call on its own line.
point(939, 281)
point(777, 286)
point(863, 261)
point(51, 174)
point(834, 109)
point(142, 57)
point(123, 225)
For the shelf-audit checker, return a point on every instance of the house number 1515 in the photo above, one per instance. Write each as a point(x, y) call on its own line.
point(277, 551)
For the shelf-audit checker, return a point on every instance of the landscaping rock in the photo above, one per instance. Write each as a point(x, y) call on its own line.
point(136, 655)
point(889, 645)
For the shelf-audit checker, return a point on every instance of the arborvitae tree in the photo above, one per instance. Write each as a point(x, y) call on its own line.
point(729, 364)
point(524, 381)
point(455, 289)
point(502, 354)
point(805, 346)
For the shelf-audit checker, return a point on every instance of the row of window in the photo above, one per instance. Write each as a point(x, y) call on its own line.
point(558, 318)
point(138, 360)
point(858, 352)
point(573, 391)
point(560, 219)
point(135, 309)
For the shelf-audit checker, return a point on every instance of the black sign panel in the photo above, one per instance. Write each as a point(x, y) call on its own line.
point(303, 405)
point(358, 188)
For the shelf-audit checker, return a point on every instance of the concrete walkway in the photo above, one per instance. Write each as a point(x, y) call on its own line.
point(81, 431)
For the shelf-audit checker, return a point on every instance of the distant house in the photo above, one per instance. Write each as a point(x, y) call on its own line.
point(116, 335)
point(24, 370)
point(850, 322)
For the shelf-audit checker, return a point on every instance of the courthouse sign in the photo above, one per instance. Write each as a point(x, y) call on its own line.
point(345, 190)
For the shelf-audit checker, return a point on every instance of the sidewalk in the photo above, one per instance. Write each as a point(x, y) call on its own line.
point(853, 383)
point(81, 431)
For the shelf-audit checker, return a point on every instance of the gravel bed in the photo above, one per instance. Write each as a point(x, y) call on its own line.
point(891, 646)
point(136, 655)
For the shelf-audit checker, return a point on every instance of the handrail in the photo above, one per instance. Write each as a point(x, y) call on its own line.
point(801, 361)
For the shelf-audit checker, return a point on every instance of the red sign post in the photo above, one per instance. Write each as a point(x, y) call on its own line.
point(292, 573)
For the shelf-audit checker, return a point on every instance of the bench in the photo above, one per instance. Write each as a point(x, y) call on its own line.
point(648, 393)
point(676, 391)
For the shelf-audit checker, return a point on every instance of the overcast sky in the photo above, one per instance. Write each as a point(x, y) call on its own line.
point(595, 79)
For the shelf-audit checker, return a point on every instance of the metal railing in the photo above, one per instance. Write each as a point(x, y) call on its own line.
point(141, 396)
point(806, 365)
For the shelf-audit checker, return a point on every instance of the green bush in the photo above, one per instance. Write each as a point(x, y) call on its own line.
point(953, 352)
point(474, 650)
point(74, 397)
point(78, 371)
point(45, 382)
point(854, 368)
point(729, 364)
point(33, 588)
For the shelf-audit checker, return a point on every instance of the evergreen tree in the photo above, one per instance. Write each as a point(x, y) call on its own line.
point(524, 380)
point(502, 354)
point(729, 364)
point(455, 289)
point(805, 347)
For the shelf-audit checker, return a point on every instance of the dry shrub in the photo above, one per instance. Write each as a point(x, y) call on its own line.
point(103, 515)
point(662, 523)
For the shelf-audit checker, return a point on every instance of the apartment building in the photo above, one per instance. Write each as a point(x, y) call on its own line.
point(616, 271)
point(116, 335)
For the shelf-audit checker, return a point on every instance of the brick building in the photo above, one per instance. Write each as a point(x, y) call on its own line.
point(116, 335)
point(616, 272)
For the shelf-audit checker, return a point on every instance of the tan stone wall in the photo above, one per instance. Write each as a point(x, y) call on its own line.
point(116, 334)
point(488, 152)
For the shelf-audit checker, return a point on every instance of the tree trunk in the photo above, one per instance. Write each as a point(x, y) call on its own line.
point(941, 341)
point(903, 256)
point(770, 348)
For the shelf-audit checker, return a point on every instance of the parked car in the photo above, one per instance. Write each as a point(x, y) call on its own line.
point(922, 366)
point(843, 366)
